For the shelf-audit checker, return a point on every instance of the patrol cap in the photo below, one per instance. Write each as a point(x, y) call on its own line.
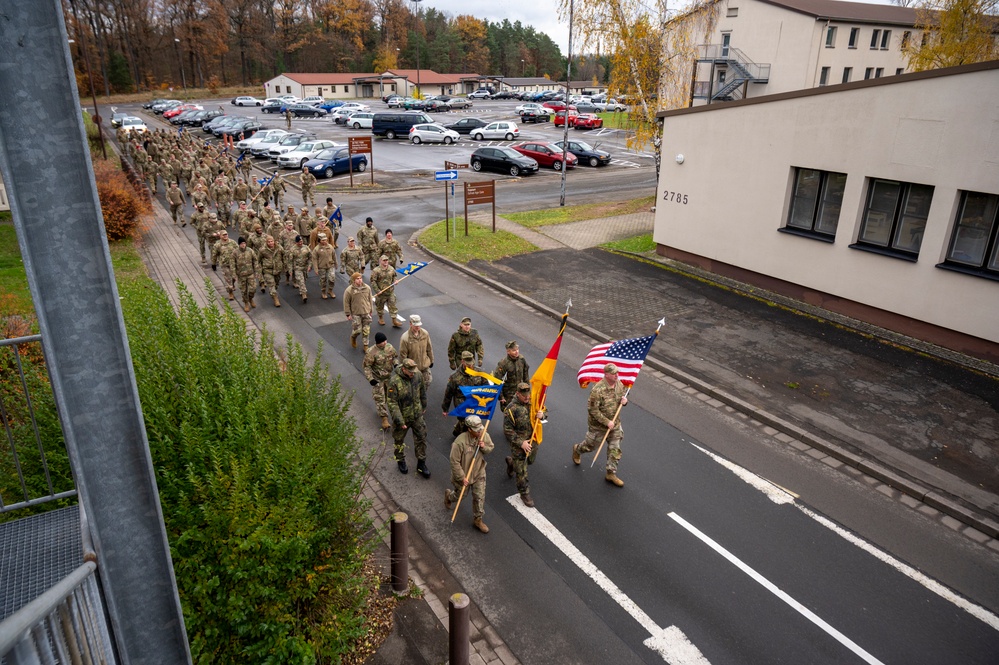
point(350, 239)
point(474, 423)
point(524, 388)
point(213, 214)
point(409, 363)
point(380, 337)
point(512, 345)
point(321, 236)
point(257, 227)
point(383, 258)
point(416, 320)
point(223, 232)
point(610, 368)
point(356, 275)
point(201, 205)
point(467, 355)
point(466, 320)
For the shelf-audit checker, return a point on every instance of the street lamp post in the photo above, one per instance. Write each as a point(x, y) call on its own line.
point(180, 61)
point(521, 68)
point(416, 14)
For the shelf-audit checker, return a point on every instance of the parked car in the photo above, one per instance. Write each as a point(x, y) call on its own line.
point(481, 93)
point(586, 107)
point(392, 124)
point(505, 94)
point(330, 104)
point(272, 106)
point(246, 144)
point(589, 121)
point(335, 160)
point(152, 102)
point(303, 152)
point(221, 123)
point(432, 132)
point(413, 104)
point(586, 153)
point(132, 124)
point(610, 105)
point(201, 117)
point(386, 97)
point(526, 106)
point(466, 125)
point(241, 130)
point(314, 100)
point(209, 125)
point(247, 101)
point(180, 108)
point(497, 130)
point(361, 120)
point(460, 103)
point(504, 160)
point(117, 117)
point(163, 105)
point(340, 115)
point(287, 144)
point(291, 99)
point(437, 106)
point(546, 154)
point(537, 114)
point(262, 147)
point(395, 101)
point(357, 106)
point(560, 117)
point(181, 117)
point(307, 110)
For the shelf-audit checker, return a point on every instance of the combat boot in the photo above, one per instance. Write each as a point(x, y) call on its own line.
point(364, 349)
point(246, 306)
point(305, 299)
point(612, 478)
point(480, 525)
point(323, 295)
point(277, 303)
point(509, 466)
point(381, 319)
point(395, 323)
point(575, 455)
point(421, 468)
point(402, 466)
point(252, 303)
point(353, 341)
point(526, 498)
point(232, 296)
point(385, 422)
point(448, 499)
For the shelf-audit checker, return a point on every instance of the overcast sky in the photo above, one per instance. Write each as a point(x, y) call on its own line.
point(542, 15)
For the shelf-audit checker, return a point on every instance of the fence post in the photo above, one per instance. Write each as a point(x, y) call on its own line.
point(458, 646)
point(400, 553)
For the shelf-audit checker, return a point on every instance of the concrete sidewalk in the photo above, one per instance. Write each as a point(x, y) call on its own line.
point(921, 420)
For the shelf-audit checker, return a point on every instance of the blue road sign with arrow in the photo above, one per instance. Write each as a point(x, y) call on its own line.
point(445, 175)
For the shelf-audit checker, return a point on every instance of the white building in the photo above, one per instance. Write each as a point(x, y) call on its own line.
point(763, 47)
point(878, 199)
point(364, 86)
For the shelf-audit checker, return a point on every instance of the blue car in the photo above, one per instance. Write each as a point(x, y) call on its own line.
point(330, 104)
point(330, 162)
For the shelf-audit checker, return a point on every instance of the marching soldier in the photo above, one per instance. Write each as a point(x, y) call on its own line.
point(519, 431)
point(465, 339)
point(391, 248)
point(324, 263)
point(352, 258)
point(209, 235)
point(514, 370)
point(415, 345)
point(300, 262)
point(271, 267)
point(367, 238)
point(383, 284)
point(245, 266)
point(601, 409)
point(278, 187)
point(470, 448)
point(407, 401)
point(379, 362)
point(221, 253)
point(357, 308)
point(308, 187)
point(176, 199)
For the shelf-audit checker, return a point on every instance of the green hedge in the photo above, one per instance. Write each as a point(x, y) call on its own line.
point(258, 472)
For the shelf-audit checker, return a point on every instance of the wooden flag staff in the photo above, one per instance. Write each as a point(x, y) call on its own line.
point(485, 427)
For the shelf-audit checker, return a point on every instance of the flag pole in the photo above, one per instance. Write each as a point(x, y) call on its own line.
point(398, 280)
point(662, 322)
point(544, 399)
point(468, 475)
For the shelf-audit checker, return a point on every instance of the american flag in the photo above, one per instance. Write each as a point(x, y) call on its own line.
point(627, 354)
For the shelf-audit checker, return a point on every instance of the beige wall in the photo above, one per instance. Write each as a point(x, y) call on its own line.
point(737, 170)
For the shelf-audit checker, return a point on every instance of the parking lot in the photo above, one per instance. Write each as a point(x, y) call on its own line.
point(402, 157)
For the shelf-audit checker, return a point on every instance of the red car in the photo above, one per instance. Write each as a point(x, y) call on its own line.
point(177, 110)
point(560, 118)
point(558, 106)
point(589, 121)
point(546, 154)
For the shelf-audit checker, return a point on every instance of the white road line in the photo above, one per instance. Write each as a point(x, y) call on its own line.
point(769, 586)
point(780, 496)
point(670, 643)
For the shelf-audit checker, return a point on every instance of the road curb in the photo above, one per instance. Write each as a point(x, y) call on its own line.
point(934, 497)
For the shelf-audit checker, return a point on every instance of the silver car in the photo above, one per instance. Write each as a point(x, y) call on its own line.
point(497, 130)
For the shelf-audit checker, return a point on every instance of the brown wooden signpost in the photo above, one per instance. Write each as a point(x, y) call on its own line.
point(360, 145)
point(480, 192)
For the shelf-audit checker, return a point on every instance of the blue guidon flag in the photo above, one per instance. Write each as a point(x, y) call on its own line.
point(411, 268)
point(336, 217)
point(479, 401)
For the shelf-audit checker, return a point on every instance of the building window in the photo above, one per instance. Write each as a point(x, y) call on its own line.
point(831, 36)
point(875, 36)
point(854, 37)
point(289, 89)
point(824, 76)
point(868, 73)
point(974, 245)
point(906, 38)
point(879, 72)
point(346, 88)
point(895, 217)
point(885, 39)
point(847, 74)
point(815, 203)
point(899, 71)
point(732, 12)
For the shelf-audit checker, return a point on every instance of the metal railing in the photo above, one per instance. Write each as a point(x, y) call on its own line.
point(66, 624)
point(19, 409)
point(758, 73)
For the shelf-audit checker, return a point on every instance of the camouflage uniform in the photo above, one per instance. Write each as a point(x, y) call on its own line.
point(392, 249)
point(300, 261)
point(324, 263)
point(278, 187)
point(256, 196)
point(352, 260)
point(601, 407)
point(379, 362)
point(208, 233)
point(515, 371)
point(462, 456)
point(453, 396)
point(223, 200)
point(246, 267)
point(256, 240)
point(517, 427)
point(465, 341)
point(240, 192)
point(407, 400)
point(417, 346)
point(306, 224)
point(308, 188)
point(383, 277)
point(271, 267)
point(176, 199)
point(221, 254)
point(367, 238)
point(357, 305)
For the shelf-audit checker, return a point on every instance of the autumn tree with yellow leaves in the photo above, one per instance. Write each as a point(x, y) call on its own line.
point(652, 51)
point(954, 32)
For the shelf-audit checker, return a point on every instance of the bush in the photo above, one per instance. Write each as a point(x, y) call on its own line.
point(121, 205)
point(257, 468)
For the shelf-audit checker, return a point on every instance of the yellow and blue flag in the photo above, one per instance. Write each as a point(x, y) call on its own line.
point(479, 401)
point(411, 268)
point(336, 217)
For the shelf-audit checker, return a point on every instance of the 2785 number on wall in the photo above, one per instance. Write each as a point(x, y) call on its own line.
point(675, 197)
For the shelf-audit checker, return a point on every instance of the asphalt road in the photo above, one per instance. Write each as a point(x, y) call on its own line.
point(607, 575)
